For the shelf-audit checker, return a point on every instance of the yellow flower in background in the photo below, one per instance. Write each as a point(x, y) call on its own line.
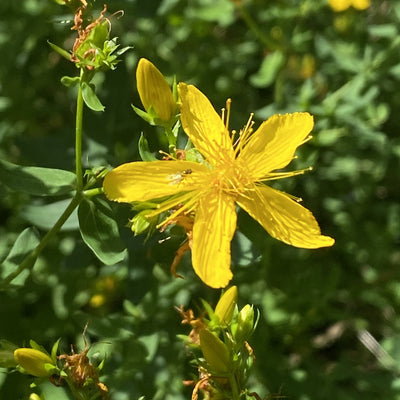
point(341, 5)
point(232, 173)
point(154, 91)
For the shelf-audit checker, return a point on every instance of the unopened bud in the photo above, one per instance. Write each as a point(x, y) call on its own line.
point(140, 223)
point(154, 91)
point(245, 323)
point(34, 362)
point(214, 351)
point(226, 306)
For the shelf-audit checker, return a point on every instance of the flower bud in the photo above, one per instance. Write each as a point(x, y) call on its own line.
point(34, 362)
point(226, 306)
point(154, 91)
point(245, 323)
point(214, 351)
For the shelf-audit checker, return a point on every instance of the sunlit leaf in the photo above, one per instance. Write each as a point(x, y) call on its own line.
point(90, 97)
point(36, 180)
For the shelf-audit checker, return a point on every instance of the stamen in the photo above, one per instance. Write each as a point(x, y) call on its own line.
point(280, 175)
point(306, 140)
point(169, 156)
point(250, 123)
point(245, 196)
point(228, 113)
point(170, 203)
point(296, 199)
point(191, 199)
point(244, 135)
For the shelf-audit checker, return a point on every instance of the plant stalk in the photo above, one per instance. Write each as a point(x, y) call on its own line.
point(78, 138)
point(29, 261)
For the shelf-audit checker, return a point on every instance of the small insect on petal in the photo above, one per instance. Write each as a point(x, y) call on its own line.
point(178, 177)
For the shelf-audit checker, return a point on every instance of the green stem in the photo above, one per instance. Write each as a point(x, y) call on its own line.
point(252, 25)
point(93, 192)
point(171, 140)
point(78, 138)
point(29, 261)
point(81, 395)
point(75, 393)
point(234, 387)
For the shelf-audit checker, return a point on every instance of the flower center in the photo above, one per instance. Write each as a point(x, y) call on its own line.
point(230, 178)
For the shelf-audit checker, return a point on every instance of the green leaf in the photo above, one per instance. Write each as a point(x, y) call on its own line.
point(45, 216)
point(151, 343)
point(144, 115)
point(269, 69)
point(36, 180)
point(7, 359)
point(60, 50)
point(7, 354)
point(54, 349)
point(25, 243)
point(70, 81)
point(90, 98)
point(100, 231)
point(144, 150)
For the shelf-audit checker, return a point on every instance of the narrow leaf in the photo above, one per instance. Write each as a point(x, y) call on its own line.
point(60, 50)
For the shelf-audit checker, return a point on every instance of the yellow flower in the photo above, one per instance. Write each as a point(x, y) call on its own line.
point(341, 5)
point(231, 173)
point(154, 91)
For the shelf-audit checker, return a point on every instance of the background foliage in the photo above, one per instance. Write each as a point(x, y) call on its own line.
point(318, 308)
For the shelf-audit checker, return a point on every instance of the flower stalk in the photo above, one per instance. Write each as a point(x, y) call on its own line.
point(30, 260)
point(78, 137)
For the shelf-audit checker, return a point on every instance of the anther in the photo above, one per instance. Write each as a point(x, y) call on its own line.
point(228, 112)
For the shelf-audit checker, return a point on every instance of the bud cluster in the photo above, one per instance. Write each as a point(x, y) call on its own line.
point(76, 370)
point(220, 349)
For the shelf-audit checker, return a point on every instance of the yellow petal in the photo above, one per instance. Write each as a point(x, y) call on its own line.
point(284, 218)
point(203, 125)
point(214, 226)
point(154, 90)
point(142, 181)
point(273, 145)
point(339, 5)
point(361, 4)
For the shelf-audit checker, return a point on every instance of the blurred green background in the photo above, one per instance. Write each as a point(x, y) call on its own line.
point(329, 326)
